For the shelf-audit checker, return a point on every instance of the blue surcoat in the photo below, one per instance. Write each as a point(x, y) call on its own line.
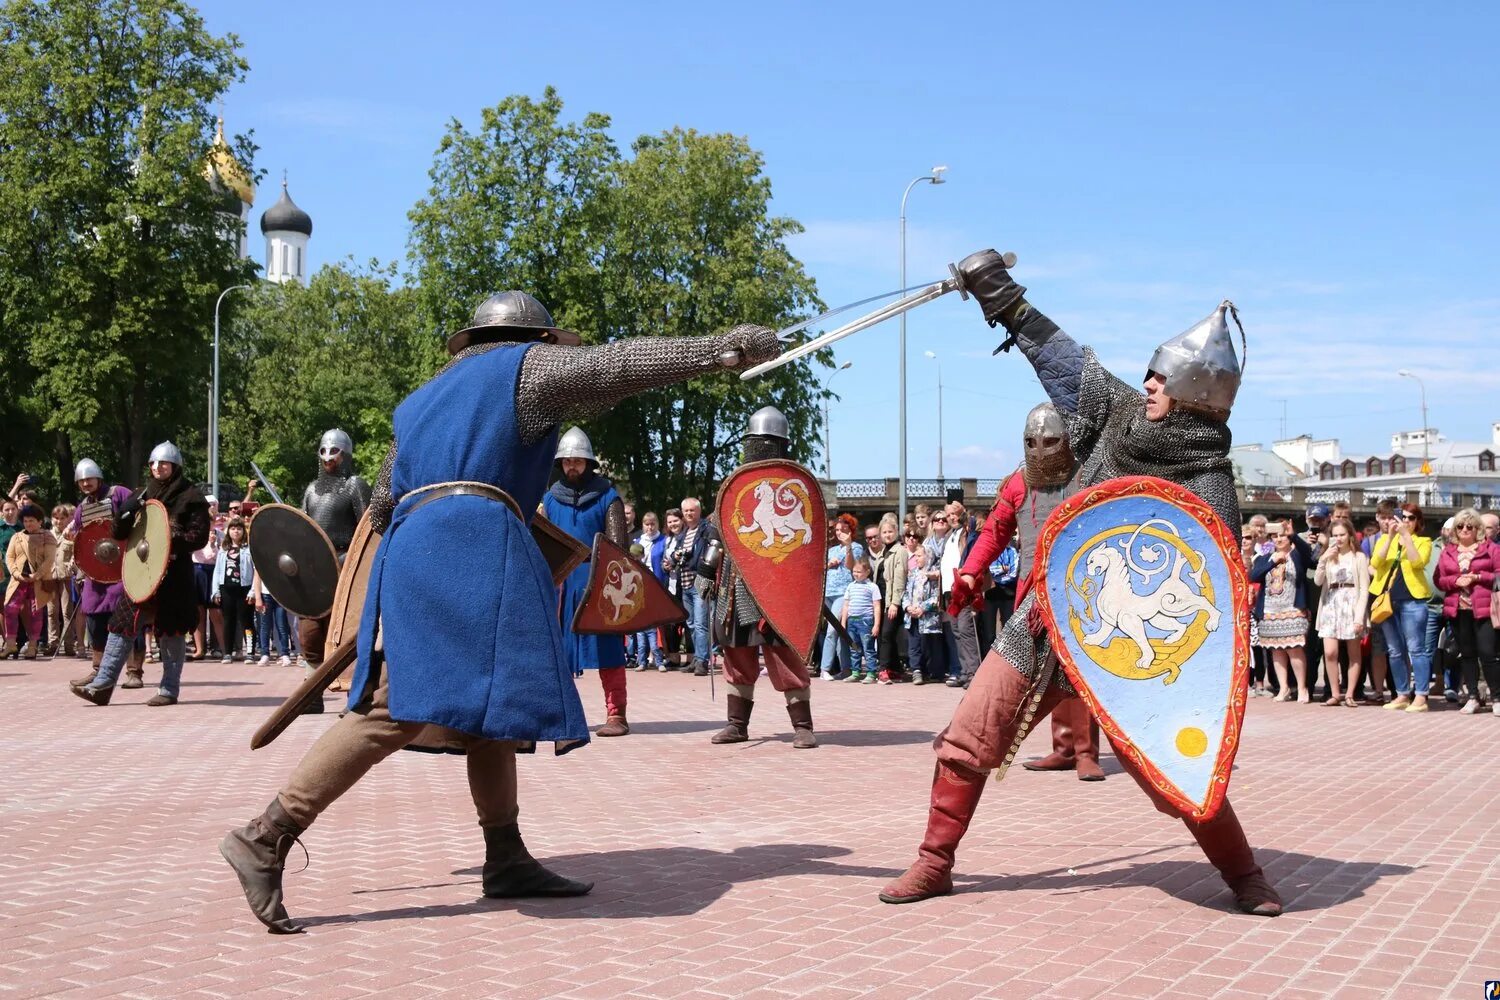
point(464, 599)
point(583, 652)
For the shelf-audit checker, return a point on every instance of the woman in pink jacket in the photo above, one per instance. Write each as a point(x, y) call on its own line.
point(1466, 575)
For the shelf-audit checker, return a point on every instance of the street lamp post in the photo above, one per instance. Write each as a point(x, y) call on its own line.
point(934, 176)
point(1426, 449)
point(942, 483)
point(827, 428)
point(213, 413)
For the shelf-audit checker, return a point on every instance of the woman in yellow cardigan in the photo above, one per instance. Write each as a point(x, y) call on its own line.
point(1398, 560)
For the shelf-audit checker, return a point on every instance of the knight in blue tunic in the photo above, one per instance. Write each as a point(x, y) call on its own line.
point(481, 667)
point(583, 503)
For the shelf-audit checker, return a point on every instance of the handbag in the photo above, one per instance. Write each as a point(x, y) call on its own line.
point(1380, 608)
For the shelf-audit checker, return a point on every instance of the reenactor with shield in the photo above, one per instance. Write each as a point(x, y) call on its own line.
point(161, 526)
point(1175, 435)
point(99, 557)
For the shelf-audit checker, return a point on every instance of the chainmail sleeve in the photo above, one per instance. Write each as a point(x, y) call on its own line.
point(359, 494)
point(560, 383)
point(614, 524)
point(382, 503)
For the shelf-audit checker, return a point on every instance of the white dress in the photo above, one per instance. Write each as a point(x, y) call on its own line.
point(1338, 612)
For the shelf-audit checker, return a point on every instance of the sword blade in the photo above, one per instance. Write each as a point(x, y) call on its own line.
point(785, 333)
point(928, 294)
point(265, 482)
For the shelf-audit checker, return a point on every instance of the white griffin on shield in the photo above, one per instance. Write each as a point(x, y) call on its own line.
point(778, 515)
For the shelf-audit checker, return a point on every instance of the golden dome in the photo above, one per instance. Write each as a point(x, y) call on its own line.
point(223, 171)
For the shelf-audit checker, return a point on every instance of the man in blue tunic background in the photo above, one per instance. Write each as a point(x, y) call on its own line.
point(584, 503)
point(472, 453)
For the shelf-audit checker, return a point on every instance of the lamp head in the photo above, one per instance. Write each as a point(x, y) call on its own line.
point(937, 174)
point(930, 354)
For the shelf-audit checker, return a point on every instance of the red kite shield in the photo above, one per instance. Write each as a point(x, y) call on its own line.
point(622, 595)
point(1146, 600)
point(774, 525)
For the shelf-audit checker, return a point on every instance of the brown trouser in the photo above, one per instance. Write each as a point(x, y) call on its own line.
point(985, 723)
point(368, 735)
point(312, 636)
point(786, 671)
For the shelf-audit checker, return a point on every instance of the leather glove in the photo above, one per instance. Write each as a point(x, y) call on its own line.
point(753, 343)
point(986, 278)
point(131, 507)
point(963, 596)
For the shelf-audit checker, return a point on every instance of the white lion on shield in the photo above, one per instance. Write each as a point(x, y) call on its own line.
point(778, 515)
point(1172, 606)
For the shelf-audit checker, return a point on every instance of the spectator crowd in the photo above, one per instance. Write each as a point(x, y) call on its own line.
point(1342, 614)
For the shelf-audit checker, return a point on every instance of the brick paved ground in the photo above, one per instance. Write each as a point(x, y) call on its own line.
point(747, 871)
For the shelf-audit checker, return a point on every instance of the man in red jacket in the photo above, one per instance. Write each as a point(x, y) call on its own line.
point(1048, 477)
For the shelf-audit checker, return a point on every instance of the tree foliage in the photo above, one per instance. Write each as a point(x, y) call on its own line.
point(675, 241)
point(341, 352)
point(112, 244)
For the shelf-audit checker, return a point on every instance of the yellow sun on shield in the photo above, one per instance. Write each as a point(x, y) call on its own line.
point(1191, 741)
point(770, 517)
point(1096, 571)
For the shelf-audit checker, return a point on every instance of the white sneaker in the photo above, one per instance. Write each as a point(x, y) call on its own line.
point(1495, 707)
point(262, 661)
point(227, 659)
point(284, 662)
point(661, 668)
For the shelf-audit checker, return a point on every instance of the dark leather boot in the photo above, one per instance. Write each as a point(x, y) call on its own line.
point(955, 795)
point(511, 872)
point(614, 725)
point(803, 737)
point(1064, 740)
point(257, 854)
point(1086, 754)
point(99, 696)
point(1223, 842)
point(314, 707)
point(135, 677)
point(738, 730)
point(86, 679)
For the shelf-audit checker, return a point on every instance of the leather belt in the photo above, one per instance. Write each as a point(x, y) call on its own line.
point(1336, 586)
point(437, 491)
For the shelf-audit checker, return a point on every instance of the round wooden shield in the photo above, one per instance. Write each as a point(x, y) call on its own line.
point(294, 559)
point(354, 577)
point(147, 552)
point(97, 553)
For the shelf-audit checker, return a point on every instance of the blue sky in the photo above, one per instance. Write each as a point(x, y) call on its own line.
point(1331, 168)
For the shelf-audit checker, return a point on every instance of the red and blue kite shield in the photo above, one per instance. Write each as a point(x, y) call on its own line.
point(775, 526)
point(1148, 606)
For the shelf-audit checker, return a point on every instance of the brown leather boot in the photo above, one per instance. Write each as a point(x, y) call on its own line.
point(955, 795)
point(99, 696)
point(86, 679)
point(1224, 844)
point(803, 737)
point(1086, 753)
point(257, 854)
point(614, 725)
point(511, 872)
point(738, 730)
point(1064, 741)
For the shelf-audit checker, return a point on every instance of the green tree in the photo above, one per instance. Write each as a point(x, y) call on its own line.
point(341, 352)
point(676, 241)
point(113, 244)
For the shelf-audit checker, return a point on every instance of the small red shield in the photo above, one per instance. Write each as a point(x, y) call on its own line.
point(97, 553)
point(774, 526)
point(622, 595)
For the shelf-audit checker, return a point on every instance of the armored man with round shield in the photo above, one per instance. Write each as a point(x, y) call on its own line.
point(1175, 431)
point(336, 500)
point(743, 627)
point(98, 557)
point(583, 503)
point(486, 673)
point(171, 611)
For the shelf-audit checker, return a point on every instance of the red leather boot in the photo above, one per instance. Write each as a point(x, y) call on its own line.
point(955, 795)
point(1224, 844)
point(1064, 739)
point(1087, 752)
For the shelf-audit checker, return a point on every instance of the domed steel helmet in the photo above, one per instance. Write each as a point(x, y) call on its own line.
point(769, 422)
point(1048, 449)
point(87, 469)
point(166, 452)
point(1199, 365)
point(575, 444)
point(510, 316)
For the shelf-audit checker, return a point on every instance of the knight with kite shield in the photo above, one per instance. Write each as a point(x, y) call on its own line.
point(1137, 593)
